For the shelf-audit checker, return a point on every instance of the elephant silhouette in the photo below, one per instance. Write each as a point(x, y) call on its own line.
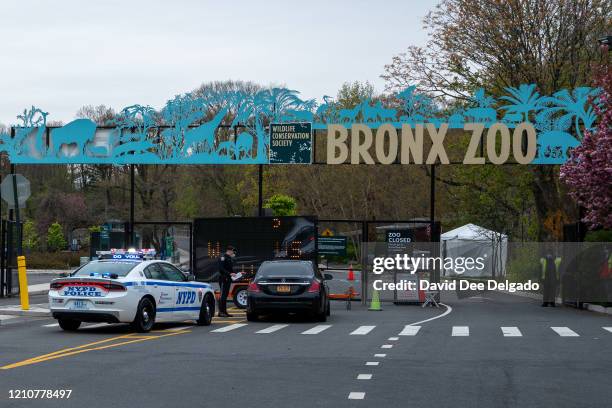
point(205, 133)
point(482, 115)
point(244, 144)
point(78, 132)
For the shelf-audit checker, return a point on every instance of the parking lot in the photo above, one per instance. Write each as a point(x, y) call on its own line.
point(473, 352)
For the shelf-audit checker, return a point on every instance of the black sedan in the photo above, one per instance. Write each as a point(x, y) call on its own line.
point(289, 286)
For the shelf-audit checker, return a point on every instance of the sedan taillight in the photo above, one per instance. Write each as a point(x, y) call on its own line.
point(253, 287)
point(314, 287)
point(56, 285)
point(114, 287)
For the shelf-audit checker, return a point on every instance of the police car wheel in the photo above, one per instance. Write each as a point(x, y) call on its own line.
point(69, 324)
point(207, 311)
point(145, 316)
point(240, 298)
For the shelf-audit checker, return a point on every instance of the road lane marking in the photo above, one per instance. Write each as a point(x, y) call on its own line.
point(362, 330)
point(387, 346)
point(128, 339)
point(272, 328)
point(96, 326)
point(448, 310)
point(380, 355)
point(565, 332)
point(410, 330)
point(364, 376)
point(511, 332)
point(178, 328)
point(229, 328)
point(393, 338)
point(317, 329)
point(372, 363)
point(51, 325)
point(608, 329)
point(460, 331)
point(356, 395)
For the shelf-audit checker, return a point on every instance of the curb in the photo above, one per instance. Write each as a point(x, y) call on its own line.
point(35, 313)
point(598, 308)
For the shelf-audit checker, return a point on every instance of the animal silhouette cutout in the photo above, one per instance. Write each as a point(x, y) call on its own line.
point(244, 144)
point(204, 134)
point(77, 132)
point(227, 146)
point(349, 115)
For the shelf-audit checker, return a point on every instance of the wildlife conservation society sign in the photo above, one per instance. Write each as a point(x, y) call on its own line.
point(291, 143)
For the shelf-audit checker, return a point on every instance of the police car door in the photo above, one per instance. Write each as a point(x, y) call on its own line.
point(162, 291)
point(185, 297)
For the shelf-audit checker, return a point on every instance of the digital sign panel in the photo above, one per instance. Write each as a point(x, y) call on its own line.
point(256, 239)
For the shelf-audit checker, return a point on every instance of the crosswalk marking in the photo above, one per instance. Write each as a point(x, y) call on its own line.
point(356, 395)
point(511, 332)
point(317, 329)
point(97, 325)
point(6, 317)
point(387, 346)
point(372, 363)
point(362, 330)
point(410, 331)
point(608, 329)
point(229, 328)
point(364, 376)
point(51, 325)
point(461, 331)
point(272, 329)
point(393, 338)
point(565, 332)
point(380, 355)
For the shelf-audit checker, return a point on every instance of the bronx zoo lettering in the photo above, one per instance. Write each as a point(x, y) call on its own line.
point(409, 145)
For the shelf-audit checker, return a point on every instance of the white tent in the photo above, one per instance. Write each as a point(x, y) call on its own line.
point(474, 242)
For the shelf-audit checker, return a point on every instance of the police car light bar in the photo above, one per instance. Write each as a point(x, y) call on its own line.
point(127, 254)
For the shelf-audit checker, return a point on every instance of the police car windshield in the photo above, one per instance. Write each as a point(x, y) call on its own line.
point(286, 269)
point(119, 268)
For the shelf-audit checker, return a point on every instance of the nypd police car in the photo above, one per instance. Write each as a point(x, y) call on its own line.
point(127, 287)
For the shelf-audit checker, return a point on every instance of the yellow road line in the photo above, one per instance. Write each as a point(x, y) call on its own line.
point(82, 349)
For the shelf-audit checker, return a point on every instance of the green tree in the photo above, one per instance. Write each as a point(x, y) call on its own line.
point(30, 236)
point(281, 205)
point(55, 237)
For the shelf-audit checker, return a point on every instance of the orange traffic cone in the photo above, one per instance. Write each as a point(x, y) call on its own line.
point(351, 274)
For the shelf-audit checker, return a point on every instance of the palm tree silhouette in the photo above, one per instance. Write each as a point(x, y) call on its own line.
point(576, 106)
point(523, 100)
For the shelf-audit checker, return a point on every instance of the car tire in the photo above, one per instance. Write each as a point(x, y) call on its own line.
point(69, 324)
point(207, 311)
point(145, 316)
point(328, 309)
point(321, 317)
point(240, 298)
point(252, 317)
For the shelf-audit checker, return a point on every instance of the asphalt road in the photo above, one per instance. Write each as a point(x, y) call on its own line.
point(184, 365)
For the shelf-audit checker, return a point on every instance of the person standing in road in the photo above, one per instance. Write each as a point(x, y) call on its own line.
point(226, 272)
point(549, 279)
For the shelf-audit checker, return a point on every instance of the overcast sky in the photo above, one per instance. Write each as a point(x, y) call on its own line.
point(60, 55)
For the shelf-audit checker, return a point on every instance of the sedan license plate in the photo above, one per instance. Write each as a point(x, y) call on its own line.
point(79, 305)
point(283, 288)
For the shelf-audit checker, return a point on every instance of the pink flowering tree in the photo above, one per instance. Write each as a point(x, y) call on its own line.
point(588, 173)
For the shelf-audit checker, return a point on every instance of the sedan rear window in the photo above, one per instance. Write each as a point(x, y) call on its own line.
point(99, 267)
point(285, 269)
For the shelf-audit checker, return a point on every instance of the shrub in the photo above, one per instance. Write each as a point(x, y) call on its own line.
point(55, 237)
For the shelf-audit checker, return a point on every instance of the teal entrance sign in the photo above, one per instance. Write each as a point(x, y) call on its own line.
point(291, 143)
point(275, 126)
